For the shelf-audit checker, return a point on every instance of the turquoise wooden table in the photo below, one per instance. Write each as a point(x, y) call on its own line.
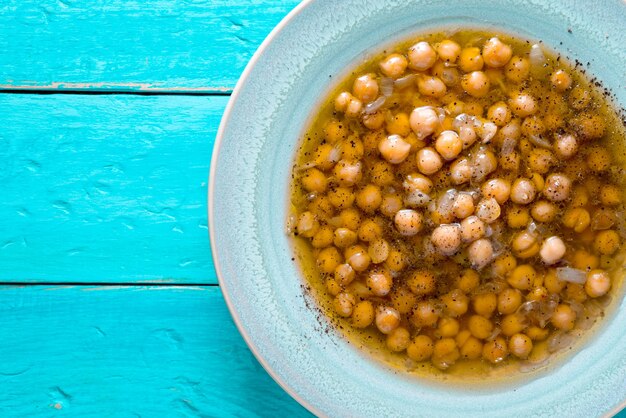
point(109, 302)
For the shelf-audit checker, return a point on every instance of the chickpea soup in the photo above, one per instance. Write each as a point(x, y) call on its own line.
point(457, 205)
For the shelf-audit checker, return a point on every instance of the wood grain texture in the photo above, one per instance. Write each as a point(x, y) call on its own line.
point(106, 188)
point(128, 352)
point(153, 45)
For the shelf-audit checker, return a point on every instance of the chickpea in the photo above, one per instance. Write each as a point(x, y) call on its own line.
point(423, 121)
point(421, 348)
point(606, 242)
point(445, 353)
point(455, 303)
point(476, 84)
point(422, 56)
point(463, 206)
point(333, 287)
point(522, 277)
point(468, 281)
point(563, 317)
point(425, 314)
point(408, 222)
point(365, 88)
point(541, 160)
point(520, 345)
point(565, 146)
point(517, 216)
point(307, 225)
point(523, 191)
point(428, 161)
point(379, 282)
point(378, 251)
point(449, 145)
point(557, 187)
point(577, 219)
point(468, 136)
point(523, 105)
point(496, 54)
point(431, 86)
point(369, 230)
point(358, 258)
point(598, 283)
point(512, 324)
point(393, 65)
point(471, 60)
point(504, 264)
point(488, 210)
point(610, 195)
point(448, 327)
point(325, 157)
point(416, 181)
point(497, 188)
point(323, 238)
point(363, 314)
point(450, 77)
point(552, 250)
point(387, 319)
point(398, 339)
point(485, 304)
point(374, 120)
point(394, 149)
point(480, 253)
point(579, 98)
point(509, 300)
point(460, 171)
point(369, 198)
point(495, 350)
point(561, 81)
point(448, 50)
point(344, 237)
point(584, 260)
point(398, 124)
point(344, 274)
point(422, 282)
point(588, 125)
point(321, 206)
point(525, 244)
point(390, 205)
point(544, 211)
point(381, 173)
point(314, 180)
point(328, 259)
point(472, 228)
point(344, 304)
point(499, 113)
point(403, 300)
point(536, 333)
point(472, 348)
point(598, 159)
point(347, 172)
point(350, 218)
point(517, 69)
point(552, 283)
point(480, 327)
point(447, 238)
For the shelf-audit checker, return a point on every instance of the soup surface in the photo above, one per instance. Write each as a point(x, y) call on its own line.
point(457, 204)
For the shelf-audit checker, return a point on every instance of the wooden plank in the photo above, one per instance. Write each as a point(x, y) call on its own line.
point(106, 188)
point(152, 45)
point(129, 351)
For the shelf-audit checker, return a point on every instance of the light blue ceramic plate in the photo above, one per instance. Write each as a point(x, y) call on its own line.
point(269, 111)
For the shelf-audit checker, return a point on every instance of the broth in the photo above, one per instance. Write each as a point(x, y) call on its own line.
point(466, 304)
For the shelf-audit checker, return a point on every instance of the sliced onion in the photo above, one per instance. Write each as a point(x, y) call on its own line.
point(417, 198)
point(375, 105)
point(528, 307)
point(540, 141)
point(481, 165)
point(405, 81)
point(531, 366)
point(508, 146)
point(306, 166)
point(446, 202)
point(386, 86)
point(559, 341)
point(538, 61)
point(463, 119)
point(335, 153)
point(496, 331)
point(487, 131)
point(311, 196)
point(572, 275)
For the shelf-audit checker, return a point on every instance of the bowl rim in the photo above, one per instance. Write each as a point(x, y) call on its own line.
point(225, 119)
point(211, 200)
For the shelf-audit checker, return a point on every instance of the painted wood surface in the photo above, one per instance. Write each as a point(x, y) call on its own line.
point(106, 188)
point(152, 45)
point(128, 351)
